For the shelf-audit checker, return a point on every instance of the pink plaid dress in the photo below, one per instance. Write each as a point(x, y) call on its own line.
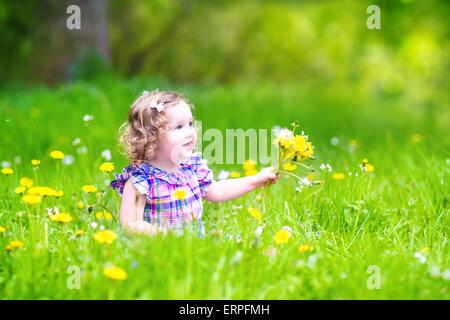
point(159, 186)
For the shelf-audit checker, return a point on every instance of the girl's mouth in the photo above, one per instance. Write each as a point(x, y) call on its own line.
point(190, 144)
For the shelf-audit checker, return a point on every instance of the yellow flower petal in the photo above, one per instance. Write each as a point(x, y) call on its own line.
point(115, 273)
point(57, 155)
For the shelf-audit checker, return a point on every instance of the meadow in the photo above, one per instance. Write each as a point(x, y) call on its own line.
point(357, 235)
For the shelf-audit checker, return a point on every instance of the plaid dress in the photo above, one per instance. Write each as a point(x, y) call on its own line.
point(162, 207)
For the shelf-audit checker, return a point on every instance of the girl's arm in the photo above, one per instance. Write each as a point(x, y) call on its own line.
point(132, 211)
point(234, 188)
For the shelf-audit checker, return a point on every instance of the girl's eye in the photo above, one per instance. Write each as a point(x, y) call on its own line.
point(179, 127)
point(191, 124)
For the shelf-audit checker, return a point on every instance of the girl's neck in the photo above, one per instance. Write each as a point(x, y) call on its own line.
point(164, 165)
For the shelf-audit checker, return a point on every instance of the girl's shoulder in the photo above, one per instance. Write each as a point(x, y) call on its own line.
point(139, 175)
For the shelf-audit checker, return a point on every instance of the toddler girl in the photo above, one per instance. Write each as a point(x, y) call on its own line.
point(165, 182)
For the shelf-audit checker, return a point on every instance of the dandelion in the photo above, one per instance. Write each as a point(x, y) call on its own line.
point(235, 174)
point(58, 194)
point(7, 171)
point(35, 162)
point(106, 167)
point(250, 167)
point(338, 176)
point(105, 237)
point(251, 172)
point(289, 166)
point(303, 248)
point(105, 215)
point(179, 193)
point(255, 213)
point(76, 141)
point(80, 205)
point(31, 199)
point(26, 182)
point(282, 236)
point(57, 155)
point(2, 229)
point(61, 217)
point(89, 188)
point(366, 166)
point(292, 148)
point(79, 232)
point(115, 273)
point(42, 191)
point(424, 250)
point(20, 190)
point(16, 244)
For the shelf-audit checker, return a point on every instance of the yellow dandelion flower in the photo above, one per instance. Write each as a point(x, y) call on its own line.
point(105, 215)
point(89, 188)
point(26, 182)
point(16, 244)
point(8, 247)
point(282, 236)
point(251, 172)
point(370, 168)
point(105, 237)
point(7, 171)
point(79, 232)
point(283, 142)
point(255, 213)
point(20, 190)
point(58, 194)
point(424, 250)
point(57, 155)
point(234, 174)
point(338, 176)
point(41, 191)
point(35, 162)
point(61, 217)
point(249, 165)
point(107, 167)
point(303, 248)
point(31, 199)
point(115, 273)
point(179, 193)
point(289, 166)
point(2, 229)
point(80, 205)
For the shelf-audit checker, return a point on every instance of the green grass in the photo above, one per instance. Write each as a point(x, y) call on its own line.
point(379, 219)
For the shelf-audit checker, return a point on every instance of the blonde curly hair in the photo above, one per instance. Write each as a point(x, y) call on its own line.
point(146, 124)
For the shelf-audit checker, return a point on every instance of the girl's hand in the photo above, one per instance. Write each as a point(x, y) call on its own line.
point(264, 176)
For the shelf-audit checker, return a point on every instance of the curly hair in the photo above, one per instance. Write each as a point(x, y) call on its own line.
point(146, 124)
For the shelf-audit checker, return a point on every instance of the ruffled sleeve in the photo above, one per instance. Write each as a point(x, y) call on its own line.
point(204, 174)
point(138, 175)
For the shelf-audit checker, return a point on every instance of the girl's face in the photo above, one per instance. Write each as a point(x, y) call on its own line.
point(178, 141)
